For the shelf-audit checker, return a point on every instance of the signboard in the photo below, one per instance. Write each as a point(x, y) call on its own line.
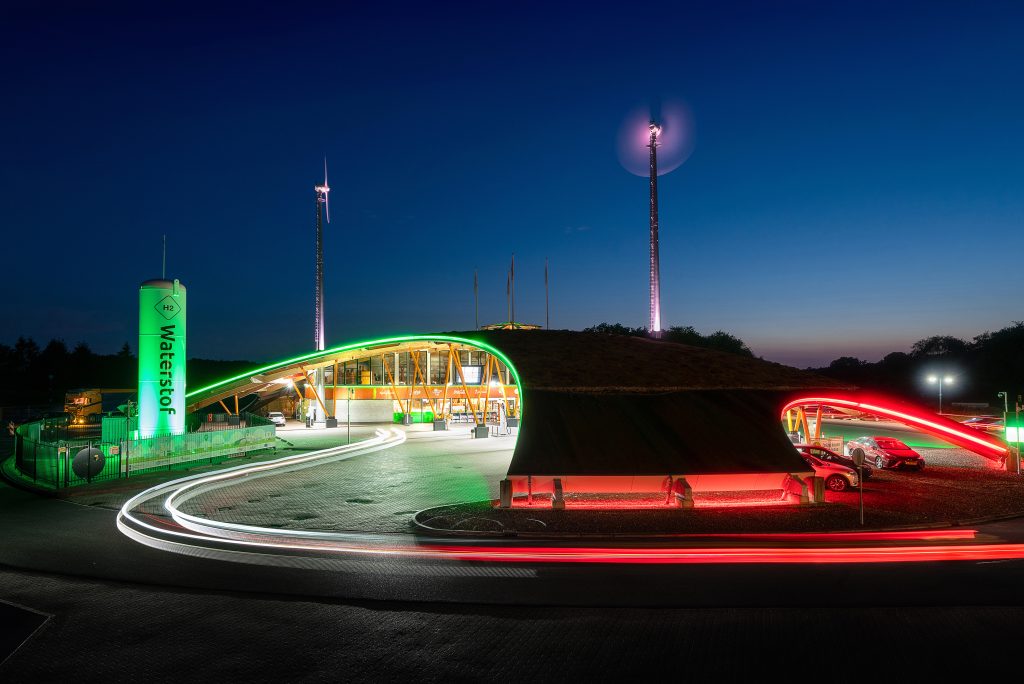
point(1014, 434)
point(161, 358)
point(473, 375)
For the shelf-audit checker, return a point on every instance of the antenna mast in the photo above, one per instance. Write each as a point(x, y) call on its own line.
point(655, 322)
point(163, 260)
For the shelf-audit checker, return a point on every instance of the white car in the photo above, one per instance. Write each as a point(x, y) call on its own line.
point(838, 478)
point(276, 417)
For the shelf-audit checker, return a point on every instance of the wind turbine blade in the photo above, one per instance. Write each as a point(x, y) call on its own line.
point(327, 195)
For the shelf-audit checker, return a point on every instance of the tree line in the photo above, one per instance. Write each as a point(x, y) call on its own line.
point(980, 368)
point(30, 375)
point(989, 363)
point(719, 340)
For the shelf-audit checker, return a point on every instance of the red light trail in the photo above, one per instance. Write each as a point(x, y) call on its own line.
point(945, 428)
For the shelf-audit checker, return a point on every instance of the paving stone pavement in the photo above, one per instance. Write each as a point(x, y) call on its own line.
point(376, 492)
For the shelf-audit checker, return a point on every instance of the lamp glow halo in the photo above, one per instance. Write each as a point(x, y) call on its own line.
point(675, 140)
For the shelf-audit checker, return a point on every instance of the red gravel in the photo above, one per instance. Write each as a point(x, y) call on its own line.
point(939, 495)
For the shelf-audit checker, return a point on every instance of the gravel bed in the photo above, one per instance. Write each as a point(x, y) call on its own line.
point(956, 487)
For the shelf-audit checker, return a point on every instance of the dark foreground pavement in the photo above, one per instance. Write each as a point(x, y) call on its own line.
point(124, 612)
point(109, 632)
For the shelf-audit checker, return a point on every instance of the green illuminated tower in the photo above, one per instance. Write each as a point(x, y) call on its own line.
point(161, 358)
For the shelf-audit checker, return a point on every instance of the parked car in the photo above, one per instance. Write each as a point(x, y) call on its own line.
point(277, 418)
point(824, 454)
point(885, 452)
point(838, 478)
point(986, 423)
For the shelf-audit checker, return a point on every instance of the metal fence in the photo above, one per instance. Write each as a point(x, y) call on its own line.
point(56, 459)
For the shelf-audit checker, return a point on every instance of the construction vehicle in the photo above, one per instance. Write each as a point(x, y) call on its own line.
point(86, 406)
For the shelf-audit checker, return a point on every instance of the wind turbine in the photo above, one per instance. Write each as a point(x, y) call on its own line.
point(323, 211)
point(668, 139)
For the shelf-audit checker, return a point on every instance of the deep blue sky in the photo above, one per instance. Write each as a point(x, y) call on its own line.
point(856, 185)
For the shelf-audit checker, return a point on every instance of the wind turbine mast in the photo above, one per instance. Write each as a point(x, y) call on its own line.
point(655, 322)
point(323, 211)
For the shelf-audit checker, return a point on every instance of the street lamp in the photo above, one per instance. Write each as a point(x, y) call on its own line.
point(941, 380)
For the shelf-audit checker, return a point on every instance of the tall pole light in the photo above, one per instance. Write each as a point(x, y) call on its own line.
point(655, 320)
point(1005, 396)
point(940, 380)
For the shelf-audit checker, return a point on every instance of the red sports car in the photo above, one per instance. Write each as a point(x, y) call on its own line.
point(885, 452)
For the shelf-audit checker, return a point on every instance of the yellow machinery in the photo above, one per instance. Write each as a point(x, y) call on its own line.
point(85, 406)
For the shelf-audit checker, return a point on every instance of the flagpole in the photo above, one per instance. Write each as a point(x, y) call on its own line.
point(512, 277)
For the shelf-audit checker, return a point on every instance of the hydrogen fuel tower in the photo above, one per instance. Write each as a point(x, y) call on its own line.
point(161, 358)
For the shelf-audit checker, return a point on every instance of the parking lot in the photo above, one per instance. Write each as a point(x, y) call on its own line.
point(955, 486)
point(377, 492)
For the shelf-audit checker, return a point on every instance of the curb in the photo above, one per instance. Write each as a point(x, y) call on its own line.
point(418, 525)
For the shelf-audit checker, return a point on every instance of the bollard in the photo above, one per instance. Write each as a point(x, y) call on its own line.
point(797, 489)
point(558, 498)
point(819, 490)
point(505, 494)
point(683, 493)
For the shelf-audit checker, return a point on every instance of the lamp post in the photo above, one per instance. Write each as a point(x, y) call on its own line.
point(941, 380)
point(348, 410)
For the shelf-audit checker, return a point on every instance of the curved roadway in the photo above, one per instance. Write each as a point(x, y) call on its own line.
point(57, 536)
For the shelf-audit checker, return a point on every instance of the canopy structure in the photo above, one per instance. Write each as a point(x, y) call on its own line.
point(907, 414)
point(412, 378)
